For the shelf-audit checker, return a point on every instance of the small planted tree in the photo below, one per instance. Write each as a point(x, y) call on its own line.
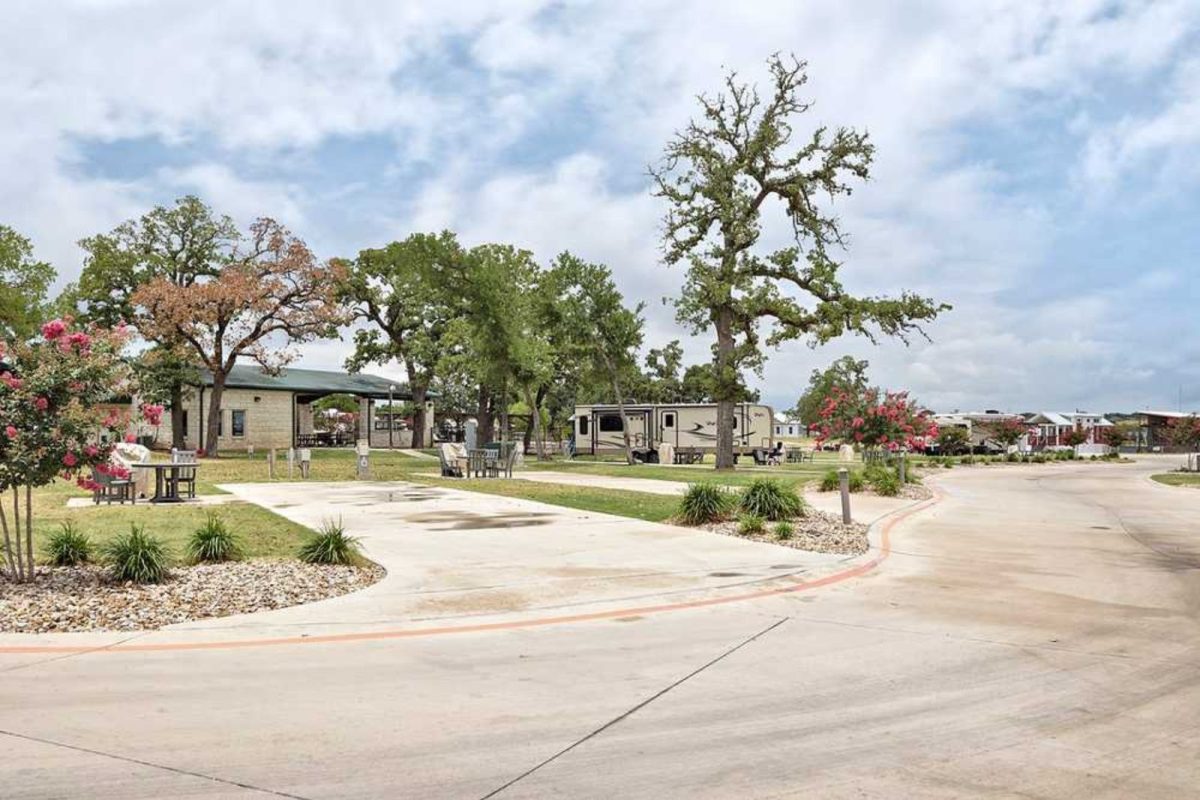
point(51, 421)
point(953, 440)
point(1007, 432)
point(875, 420)
point(1184, 432)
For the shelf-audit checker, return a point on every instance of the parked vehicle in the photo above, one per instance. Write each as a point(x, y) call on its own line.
point(599, 429)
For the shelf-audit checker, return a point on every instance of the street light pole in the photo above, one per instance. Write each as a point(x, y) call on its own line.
point(391, 416)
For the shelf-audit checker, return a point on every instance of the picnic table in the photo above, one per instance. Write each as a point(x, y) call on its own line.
point(167, 477)
point(689, 455)
point(796, 455)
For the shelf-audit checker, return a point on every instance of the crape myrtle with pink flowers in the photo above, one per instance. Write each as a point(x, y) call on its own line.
point(53, 422)
point(874, 420)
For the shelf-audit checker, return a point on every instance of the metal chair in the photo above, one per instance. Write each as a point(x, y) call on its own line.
point(109, 488)
point(185, 477)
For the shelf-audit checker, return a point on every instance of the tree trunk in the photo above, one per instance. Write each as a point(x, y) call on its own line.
point(535, 423)
point(16, 500)
point(8, 547)
point(486, 422)
point(418, 398)
point(29, 530)
point(178, 434)
point(724, 389)
point(212, 444)
point(620, 395)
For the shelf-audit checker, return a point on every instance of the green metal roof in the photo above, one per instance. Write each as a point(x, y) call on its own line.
point(311, 381)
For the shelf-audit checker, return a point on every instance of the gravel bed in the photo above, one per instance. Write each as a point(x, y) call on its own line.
point(909, 491)
point(85, 599)
point(816, 531)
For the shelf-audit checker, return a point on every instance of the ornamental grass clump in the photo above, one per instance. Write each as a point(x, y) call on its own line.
point(213, 542)
point(751, 524)
point(885, 483)
point(137, 557)
point(829, 481)
point(772, 500)
point(784, 530)
point(330, 545)
point(68, 547)
point(705, 502)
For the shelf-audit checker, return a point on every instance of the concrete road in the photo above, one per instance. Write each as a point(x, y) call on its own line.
point(1034, 634)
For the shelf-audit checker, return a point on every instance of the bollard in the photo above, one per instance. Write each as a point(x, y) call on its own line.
point(305, 462)
point(844, 485)
point(900, 469)
point(291, 461)
point(364, 466)
point(271, 463)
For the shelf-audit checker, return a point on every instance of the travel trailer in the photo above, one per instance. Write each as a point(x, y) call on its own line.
point(599, 430)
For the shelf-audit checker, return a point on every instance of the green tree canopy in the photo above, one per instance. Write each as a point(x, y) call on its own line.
point(406, 290)
point(847, 373)
point(24, 285)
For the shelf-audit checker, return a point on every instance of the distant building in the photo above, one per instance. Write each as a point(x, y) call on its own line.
point(789, 426)
point(1154, 434)
point(978, 425)
point(1050, 430)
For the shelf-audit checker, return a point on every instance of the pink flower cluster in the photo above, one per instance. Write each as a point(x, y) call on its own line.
point(891, 422)
point(10, 380)
point(152, 414)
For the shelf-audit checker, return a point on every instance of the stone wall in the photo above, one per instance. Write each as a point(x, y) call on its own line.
point(268, 420)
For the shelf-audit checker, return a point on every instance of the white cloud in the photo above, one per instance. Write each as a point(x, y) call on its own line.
point(264, 84)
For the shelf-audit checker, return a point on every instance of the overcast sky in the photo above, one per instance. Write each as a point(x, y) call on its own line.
point(1038, 163)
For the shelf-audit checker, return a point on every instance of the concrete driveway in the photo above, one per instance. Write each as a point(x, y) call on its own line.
point(1034, 634)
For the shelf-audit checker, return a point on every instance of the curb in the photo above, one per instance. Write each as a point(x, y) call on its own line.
point(879, 535)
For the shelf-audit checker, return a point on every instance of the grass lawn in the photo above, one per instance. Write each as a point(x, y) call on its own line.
point(1191, 479)
point(638, 505)
point(263, 534)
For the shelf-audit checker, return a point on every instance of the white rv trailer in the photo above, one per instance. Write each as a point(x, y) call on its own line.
point(598, 428)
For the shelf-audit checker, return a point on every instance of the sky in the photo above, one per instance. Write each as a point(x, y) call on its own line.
point(1037, 163)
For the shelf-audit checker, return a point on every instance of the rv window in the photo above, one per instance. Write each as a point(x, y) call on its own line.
point(610, 423)
point(669, 420)
point(735, 422)
point(583, 424)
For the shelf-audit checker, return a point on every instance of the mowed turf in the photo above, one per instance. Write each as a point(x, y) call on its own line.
point(1191, 479)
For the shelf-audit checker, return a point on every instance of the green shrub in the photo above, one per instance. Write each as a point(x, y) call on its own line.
point(213, 542)
point(886, 484)
point(749, 524)
point(1039, 459)
point(967, 460)
point(68, 547)
point(784, 530)
point(1012, 458)
point(829, 482)
point(137, 557)
point(705, 502)
point(771, 499)
point(947, 464)
point(330, 545)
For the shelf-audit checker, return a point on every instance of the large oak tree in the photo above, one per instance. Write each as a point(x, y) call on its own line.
point(177, 245)
point(270, 292)
point(24, 283)
point(404, 290)
point(719, 175)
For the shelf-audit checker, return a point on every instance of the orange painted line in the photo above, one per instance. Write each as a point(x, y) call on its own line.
point(885, 549)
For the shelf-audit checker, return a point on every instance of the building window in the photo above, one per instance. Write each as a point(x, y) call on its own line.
point(220, 423)
point(669, 420)
point(583, 424)
point(611, 423)
point(237, 422)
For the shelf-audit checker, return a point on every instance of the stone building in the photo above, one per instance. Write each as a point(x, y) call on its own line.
point(263, 410)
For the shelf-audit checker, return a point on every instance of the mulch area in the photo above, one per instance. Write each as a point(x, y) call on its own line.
point(84, 598)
